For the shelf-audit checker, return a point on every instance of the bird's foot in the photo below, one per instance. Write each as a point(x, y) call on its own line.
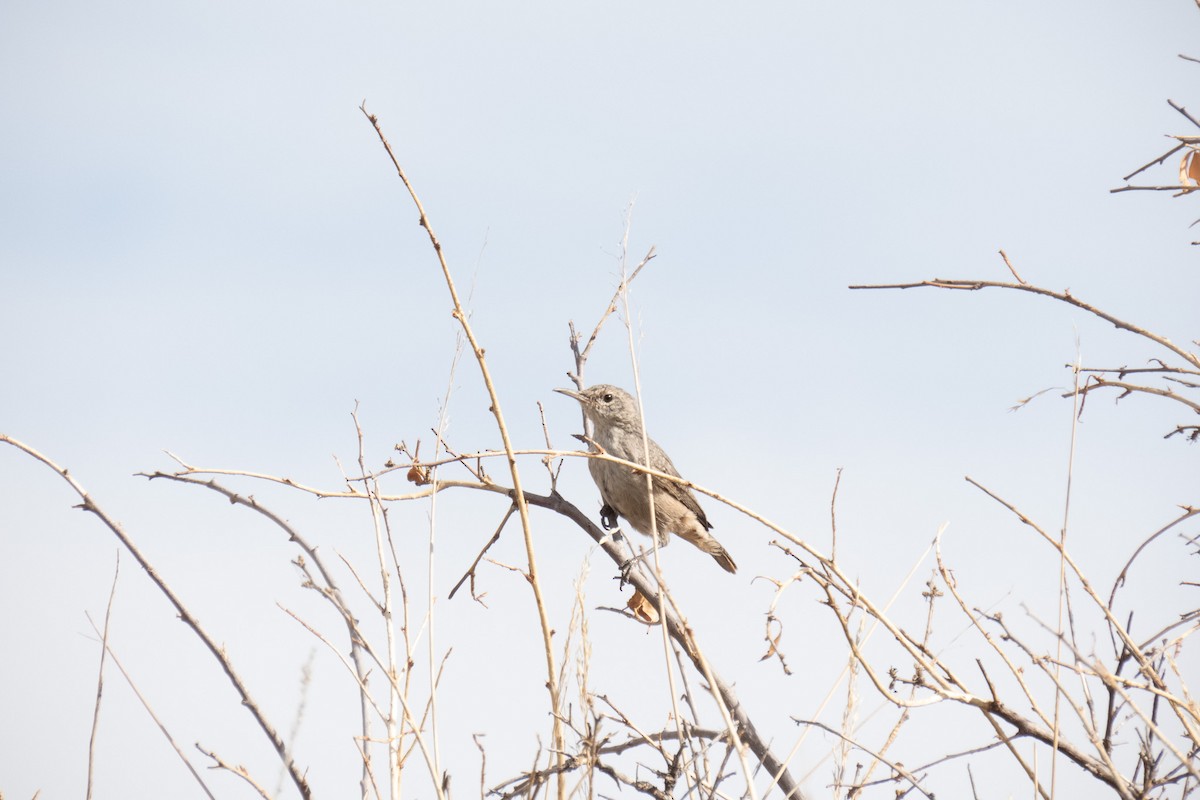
point(627, 567)
point(608, 517)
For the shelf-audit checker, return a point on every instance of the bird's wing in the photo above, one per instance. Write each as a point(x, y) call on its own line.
point(660, 461)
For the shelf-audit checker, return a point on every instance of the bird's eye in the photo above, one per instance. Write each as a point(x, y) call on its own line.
point(608, 398)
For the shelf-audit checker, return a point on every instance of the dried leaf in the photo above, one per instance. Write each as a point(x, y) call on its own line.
point(642, 608)
point(418, 475)
point(1189, 169)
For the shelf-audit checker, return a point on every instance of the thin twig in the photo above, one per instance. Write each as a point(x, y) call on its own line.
point(1011, 268)
point(236, 769)
point(1156, 161)
point(470, 573)
point(1184, 112)
point(112, 593)
point(898, 768)
point(153, 715)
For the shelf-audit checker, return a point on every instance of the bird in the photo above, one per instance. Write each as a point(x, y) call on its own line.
point(617, 431)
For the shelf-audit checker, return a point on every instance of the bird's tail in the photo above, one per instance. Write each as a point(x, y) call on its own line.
point(723, 558)
point(705, 541)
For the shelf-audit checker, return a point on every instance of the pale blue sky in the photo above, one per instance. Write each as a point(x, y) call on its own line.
point(203, 248)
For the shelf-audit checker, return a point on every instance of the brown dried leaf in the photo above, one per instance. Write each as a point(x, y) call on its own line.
point(642, 608)
point(1189, 169)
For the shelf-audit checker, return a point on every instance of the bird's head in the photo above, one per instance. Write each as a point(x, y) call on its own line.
point(606, 405)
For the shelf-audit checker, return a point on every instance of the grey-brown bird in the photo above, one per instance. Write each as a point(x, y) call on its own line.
point(617, 429)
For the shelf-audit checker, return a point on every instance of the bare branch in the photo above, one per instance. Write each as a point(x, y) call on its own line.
point(1065, 297)
point(185, 615)
point(112, 593)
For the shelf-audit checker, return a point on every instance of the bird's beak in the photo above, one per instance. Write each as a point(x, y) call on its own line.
point(571, 393)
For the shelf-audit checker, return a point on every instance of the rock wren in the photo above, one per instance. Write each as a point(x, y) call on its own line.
point(617, 429)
